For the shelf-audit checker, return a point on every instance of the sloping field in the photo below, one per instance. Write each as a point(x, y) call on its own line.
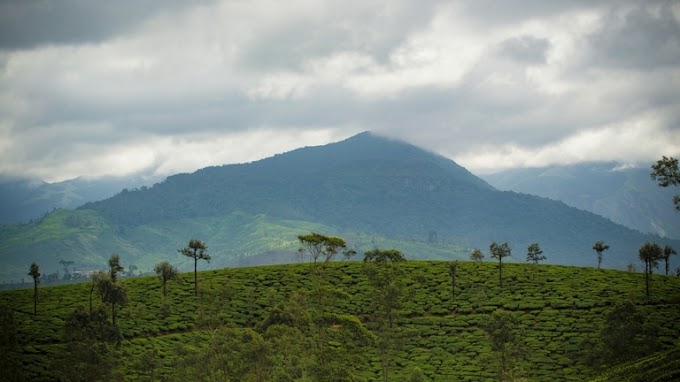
point(558, 309)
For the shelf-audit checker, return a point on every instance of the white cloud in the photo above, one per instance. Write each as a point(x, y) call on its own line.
point(513, 85)
point(636, 140)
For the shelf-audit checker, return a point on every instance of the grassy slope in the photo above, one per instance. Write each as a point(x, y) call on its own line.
point(558, 307)
point(87, 238)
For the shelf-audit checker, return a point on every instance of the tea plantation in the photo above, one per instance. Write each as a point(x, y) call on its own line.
point(559, 312)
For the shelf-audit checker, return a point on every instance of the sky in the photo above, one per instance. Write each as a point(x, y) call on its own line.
point(144, 87)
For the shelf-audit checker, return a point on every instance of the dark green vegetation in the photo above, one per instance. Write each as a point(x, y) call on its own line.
point(370, 190)
point(625, 195)
point(540, 326)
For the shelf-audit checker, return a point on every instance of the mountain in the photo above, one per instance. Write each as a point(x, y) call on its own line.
point(371, 190)
point(24, 199)
point(626, 195)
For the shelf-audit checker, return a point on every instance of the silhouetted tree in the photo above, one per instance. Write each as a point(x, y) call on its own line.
point(667, 252)
point(535, 253)
point(667, 173)
point(650, 254)
point(600, 247)
point(34, 271)
point(499, 251)
point(166, 272)
point(197, 250)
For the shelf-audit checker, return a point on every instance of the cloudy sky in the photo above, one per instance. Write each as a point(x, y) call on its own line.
point(159, 87)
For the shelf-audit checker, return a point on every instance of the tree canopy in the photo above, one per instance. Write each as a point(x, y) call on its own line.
point(666, 172)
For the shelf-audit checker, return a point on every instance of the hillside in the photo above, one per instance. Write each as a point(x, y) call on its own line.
point(559, 311)
point(627, 196)
point(367, 188)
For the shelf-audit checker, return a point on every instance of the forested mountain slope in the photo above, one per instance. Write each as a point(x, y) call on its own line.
point(367, 188)
point(627, 196)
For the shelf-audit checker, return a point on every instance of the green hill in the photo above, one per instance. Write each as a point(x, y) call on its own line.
point(558, 312)
point(368, 189)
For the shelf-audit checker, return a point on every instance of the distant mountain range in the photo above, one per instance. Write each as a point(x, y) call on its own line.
point(24, 199)
point(626, 195)
point(371, 190)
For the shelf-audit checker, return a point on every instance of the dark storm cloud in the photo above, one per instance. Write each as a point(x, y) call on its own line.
point(151, 87)
point(642, 38)
point(26, 24)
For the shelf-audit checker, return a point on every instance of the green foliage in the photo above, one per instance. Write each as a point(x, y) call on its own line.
point(555, 309)
point(666, 172)
point(535, 253)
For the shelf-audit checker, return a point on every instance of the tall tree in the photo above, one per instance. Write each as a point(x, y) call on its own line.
point(197, 250)
point(506, 344)
point(111, 293)
point(383, 272)
point(535, 253)
point(667, 252)
point(600, 247)
point(666, 172)
point(115, 267)
point(650, 254)
point(499, 251)
point(166, 272)
point(34, 271)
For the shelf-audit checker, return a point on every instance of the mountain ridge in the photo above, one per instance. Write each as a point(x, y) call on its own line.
point(367, 188)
